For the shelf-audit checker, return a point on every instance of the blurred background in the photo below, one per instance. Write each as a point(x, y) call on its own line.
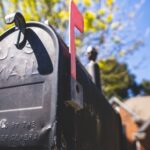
point(119, 30)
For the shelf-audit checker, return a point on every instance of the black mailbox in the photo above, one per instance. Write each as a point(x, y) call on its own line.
point(41, 107)
point(29, 87)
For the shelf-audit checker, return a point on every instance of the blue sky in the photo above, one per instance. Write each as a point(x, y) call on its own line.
point(139, 62)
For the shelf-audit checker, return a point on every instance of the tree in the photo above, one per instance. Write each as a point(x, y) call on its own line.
point(117, 80)
point(36, 10)
point(108, 26)
point(104, 25)
point(145, 87)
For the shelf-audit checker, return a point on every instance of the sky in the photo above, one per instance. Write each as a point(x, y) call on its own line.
point(139, 61)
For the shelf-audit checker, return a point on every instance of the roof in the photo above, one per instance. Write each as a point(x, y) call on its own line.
point(140, 105)
point(145, 126)
point(115, 100)
point(141, 134)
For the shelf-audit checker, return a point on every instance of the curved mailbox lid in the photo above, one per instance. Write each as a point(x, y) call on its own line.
point(28, 87)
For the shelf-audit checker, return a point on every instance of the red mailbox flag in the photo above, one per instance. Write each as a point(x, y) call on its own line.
point(76, 20)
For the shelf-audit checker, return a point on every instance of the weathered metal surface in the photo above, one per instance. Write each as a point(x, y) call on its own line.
point(96, 126)
point(76, 21)
point(94, 71)
point(28, 89)
point(76, 93)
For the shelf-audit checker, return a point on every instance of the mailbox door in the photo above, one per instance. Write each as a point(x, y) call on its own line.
point(28, 88)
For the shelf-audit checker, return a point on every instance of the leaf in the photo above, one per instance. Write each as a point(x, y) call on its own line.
point(115, 25)
point(87, 2)
point(116, 39)
point(109, 18)
point(101, 11)
point(89, 18)
point(109, 3)
point(102, 25)
point(122, 53)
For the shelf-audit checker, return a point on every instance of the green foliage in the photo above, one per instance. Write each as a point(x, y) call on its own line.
point(36, 10)
point(100, 22)
point(145, 87)
point(117, 80)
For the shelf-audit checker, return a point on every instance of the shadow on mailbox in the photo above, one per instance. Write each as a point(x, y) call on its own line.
point(40, 52)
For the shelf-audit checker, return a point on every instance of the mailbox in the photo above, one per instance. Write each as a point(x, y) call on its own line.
point(29, 79)
point(41, 106)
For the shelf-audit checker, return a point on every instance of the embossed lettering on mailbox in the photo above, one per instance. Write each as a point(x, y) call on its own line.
point(18, 72)
point(23, 65)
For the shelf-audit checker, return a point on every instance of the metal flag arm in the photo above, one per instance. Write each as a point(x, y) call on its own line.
point(76, 21)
